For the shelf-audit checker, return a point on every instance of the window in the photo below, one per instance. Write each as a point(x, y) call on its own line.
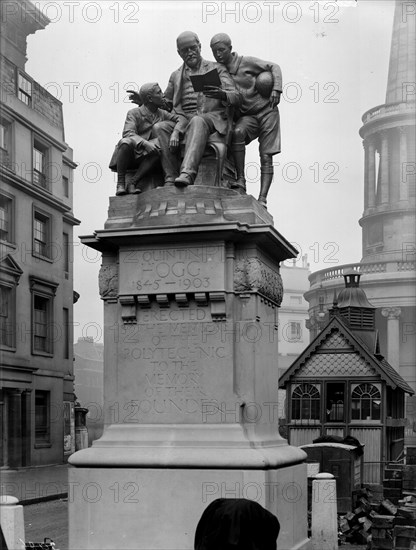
point(3, 134)
point(40, 324)
point(335, 401)
point(6, 218)
point(65, 186)
point(365, 402)
point(306, 402)
point(43, 293)
point(65, 245)
point(24, 92)
point(321, 306)
point(7, 313)
point(5, 143)
point(42, 417)
point(65, 331)
point(296, 300)
point(41, 234)
point(295, 331)
point(10, 274)
point(39, 164)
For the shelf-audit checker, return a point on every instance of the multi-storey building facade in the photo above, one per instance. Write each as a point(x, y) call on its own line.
point(293, 312)
point(388, 222)
point(36, 279)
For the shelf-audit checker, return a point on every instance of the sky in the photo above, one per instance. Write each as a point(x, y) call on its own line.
point(334, 59)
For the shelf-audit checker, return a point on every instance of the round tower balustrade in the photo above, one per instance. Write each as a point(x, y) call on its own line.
point(318, 278)
point(388, 110)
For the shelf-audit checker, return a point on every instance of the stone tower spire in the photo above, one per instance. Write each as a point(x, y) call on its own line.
point(402, 66)
point(388, 222)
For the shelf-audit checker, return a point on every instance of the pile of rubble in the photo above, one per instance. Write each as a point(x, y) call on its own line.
point(383, 525)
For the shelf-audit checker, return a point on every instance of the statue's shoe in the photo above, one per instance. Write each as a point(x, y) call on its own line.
point(121, 190)
point(183, 180)
point(239, 184)
point(134, 189)
point(263, 201)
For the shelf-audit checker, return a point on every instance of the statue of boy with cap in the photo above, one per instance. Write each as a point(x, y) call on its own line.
point(139, 147)
point(259, 115)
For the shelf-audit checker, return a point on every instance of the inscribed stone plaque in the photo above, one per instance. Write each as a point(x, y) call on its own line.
point(176, 363)
point(173, 269)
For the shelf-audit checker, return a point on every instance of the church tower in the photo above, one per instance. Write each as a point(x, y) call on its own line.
point(388, 222)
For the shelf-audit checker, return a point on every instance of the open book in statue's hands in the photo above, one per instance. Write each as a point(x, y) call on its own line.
point(200, 81)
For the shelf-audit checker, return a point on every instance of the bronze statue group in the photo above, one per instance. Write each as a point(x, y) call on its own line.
point(172, 129)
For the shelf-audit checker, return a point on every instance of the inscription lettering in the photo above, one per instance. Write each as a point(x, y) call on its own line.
point(201, 333)
point(171, 270)
point(190, 253)
point(177, 364)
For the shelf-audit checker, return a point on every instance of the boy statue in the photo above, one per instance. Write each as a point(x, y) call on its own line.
point(139, 147)
point(259, 115)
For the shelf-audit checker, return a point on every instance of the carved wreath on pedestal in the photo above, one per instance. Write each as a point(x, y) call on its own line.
point(251, 274)
point(108, 281)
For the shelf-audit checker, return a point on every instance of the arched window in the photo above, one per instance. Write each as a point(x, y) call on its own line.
point(306, 402)
point(365, 402)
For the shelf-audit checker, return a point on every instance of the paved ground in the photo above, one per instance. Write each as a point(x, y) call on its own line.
point(50, 519)
point(47, 519)
point(34, 484)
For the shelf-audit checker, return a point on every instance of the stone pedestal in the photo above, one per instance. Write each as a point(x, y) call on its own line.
point(191, 288)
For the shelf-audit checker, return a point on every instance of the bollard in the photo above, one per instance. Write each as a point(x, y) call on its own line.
point(324, 513)
point(11, 521)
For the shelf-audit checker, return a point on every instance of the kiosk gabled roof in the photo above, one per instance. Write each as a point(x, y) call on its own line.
point(376, 361)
